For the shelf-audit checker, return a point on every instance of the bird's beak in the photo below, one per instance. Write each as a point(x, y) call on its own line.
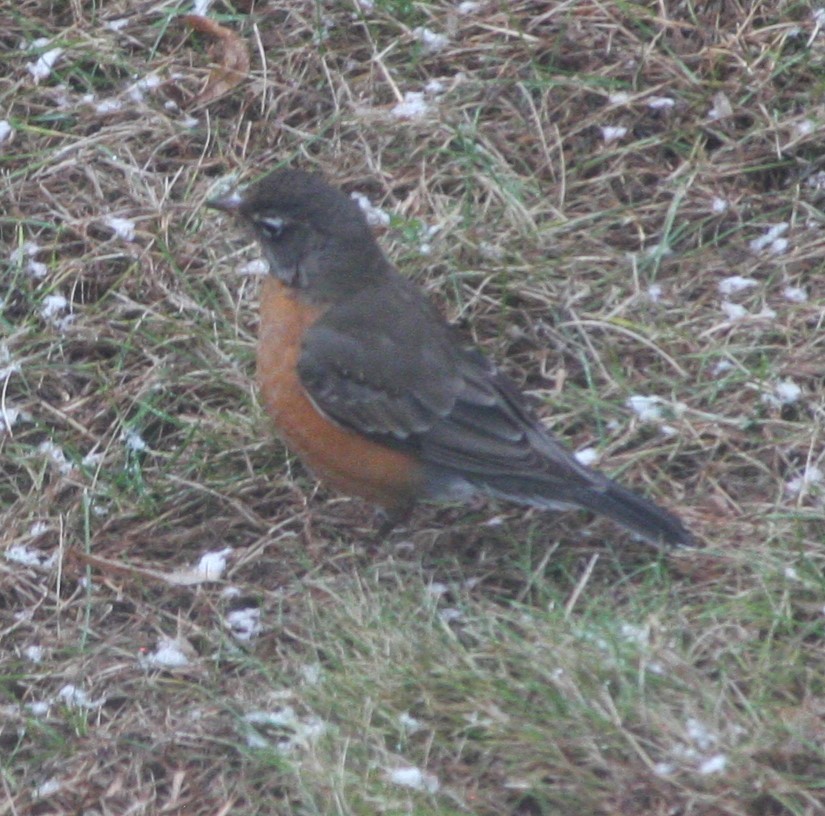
point(231, 202)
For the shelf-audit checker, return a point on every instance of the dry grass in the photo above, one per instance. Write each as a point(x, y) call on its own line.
point(540, 665)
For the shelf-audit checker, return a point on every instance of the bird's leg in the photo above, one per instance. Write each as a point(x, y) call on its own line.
point(390, 518)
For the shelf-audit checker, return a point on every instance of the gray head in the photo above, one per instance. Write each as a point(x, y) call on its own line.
point(313, 235)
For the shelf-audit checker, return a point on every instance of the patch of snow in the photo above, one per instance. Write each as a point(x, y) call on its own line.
point(432, 41)
point(33, 653)
point(212, 565)
point(413, 106)
point(587, 456)
point(414, 778)
point(122, 227)
point(647, 409)
point(133, 440)
point(733, 311)
point(376, 217)
point(244, 623)
point(736, 283)
point(29, 557)
point(41, 68)
point(769, 238)
point(712, 765)
point(613, 133)
point(169, 654)
point(719, 205)
point(795, 294)
point(75, 697)
point(56, 455)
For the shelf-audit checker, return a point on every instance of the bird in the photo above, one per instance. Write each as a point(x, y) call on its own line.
point(378, 395)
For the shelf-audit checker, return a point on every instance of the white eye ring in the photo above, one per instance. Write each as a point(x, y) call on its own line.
point(273, 227)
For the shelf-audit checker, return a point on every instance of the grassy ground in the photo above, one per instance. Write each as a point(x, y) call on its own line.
point(579, 191)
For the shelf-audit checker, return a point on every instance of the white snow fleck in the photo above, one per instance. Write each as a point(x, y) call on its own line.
point(766, 240)
point(311, 672)
point(75, 697)
point(654, 292)
point(795, 294)
point(26, 252)
point(413, 106)
point(660, 102)
point(805, 127)
point(719, 205)
point(664, 769)
point(409, 723)
point(619, 98)
point(8, 414)
point(613, 134)
point(587, 456)
point(449, 615)
point(133, 440)
point(790, 573)
point(701, 736)
point(437, 588)
point(736, 283)
point(722, 107)
point(52, 306)
point(282, 729)
point(468, 7)
point(122, 227)
point(434, 87)
point(788, 392)
point(39, 708)
point(713, 765)
point(800, 485)
point(258, 266)
point(376, 217)
point(201, 7)
point(244, 623)
point(366, 5)
point(212, 564)
point(47, 788)
point(28, 557)
point(41, 68)
point(169, 654)
point(817, 180)
point(414, 778)
point(733, 311)
point(108, 106)
point(118, 24)
point(6, 130)
point(648, 409)
point(33, 653)
point(635, 633)
point(432, 41)
point(56, 455)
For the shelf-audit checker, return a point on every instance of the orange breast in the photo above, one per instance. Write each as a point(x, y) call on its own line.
point(343, 459)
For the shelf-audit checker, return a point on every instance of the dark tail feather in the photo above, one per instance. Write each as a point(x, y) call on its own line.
point(636, 513)
point(602, 496)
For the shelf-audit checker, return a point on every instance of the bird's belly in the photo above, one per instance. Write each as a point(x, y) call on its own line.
point(341, 458)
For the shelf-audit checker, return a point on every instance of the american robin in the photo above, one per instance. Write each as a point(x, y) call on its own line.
point(377, 394)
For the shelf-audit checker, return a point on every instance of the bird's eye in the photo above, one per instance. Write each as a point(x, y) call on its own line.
point(273, 226)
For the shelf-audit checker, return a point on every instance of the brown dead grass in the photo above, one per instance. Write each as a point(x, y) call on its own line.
point(570, 672)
